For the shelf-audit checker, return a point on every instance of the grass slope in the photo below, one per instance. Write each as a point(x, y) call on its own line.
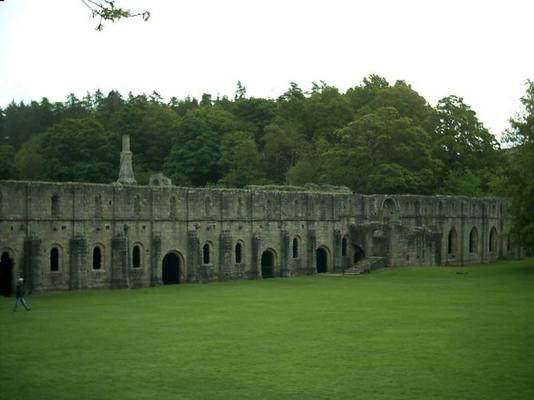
point(399, 333)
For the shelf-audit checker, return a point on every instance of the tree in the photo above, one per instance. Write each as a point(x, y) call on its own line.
point(195, 154)
point(29, 160)
point(520, 176)
point(240, 160)
point(107, 10)
point(8, 169)
point(380, 153)
point(281, 144)
point(463, 145)
point(79, 150)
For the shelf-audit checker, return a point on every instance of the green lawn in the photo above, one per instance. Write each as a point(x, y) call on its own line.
point(402, 333)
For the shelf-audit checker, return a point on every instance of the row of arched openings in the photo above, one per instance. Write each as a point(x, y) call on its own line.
point(474, 246)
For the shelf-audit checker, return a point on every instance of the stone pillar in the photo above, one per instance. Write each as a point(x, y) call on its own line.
point(120, 267)
point(126, 174)
point(226, 264)
point(78, 263)
point(155, 255)
point(193, 257)
point(255, 261)
point(311, 252)
point(336, 250)
point(284, 253)
point(32, 264)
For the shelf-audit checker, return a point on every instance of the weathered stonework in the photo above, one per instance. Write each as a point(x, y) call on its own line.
point(140, 236)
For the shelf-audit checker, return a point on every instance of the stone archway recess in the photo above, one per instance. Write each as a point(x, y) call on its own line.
point(6, 274)
point(267, 264)
point(171, 268)
point(321, 260)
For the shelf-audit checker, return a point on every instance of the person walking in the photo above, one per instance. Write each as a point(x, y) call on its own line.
point(19, 294)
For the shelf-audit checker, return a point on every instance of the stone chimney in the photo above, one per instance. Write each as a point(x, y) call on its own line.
point(126, 174)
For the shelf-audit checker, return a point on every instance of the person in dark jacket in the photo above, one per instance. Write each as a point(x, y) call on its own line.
point(19, 294)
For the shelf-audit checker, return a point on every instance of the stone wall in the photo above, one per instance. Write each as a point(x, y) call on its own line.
point(132, 236)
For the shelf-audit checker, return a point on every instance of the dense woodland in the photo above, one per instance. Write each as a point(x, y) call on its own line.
point(376, 137)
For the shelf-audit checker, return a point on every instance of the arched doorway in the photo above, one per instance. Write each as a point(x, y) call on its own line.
point(6, 274)
point(322, 260)
point(452, 243)
point(357, 254)
point(267, 264)
point(171, 268)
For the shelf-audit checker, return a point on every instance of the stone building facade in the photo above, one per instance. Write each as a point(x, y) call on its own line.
point(66, 236)
point(63, 236)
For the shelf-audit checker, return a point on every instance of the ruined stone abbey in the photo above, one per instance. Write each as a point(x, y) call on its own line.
point(65, 236)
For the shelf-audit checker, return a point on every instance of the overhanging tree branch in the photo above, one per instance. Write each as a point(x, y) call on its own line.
point(107, 10)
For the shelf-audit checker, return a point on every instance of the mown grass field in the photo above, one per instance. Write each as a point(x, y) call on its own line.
point(397, 333)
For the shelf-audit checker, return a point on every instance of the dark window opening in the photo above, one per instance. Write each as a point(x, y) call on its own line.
point(493, 240)
point(136, 257)
point(238, 255)
point(54, 259)
point(206, 256)
point(473, 241)
point(508, 244)
point(295, 248)
point(97, 258)
point(6, 274)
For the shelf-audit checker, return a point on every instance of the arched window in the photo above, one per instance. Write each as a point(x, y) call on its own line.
point(54, 259)
point(172, 207)
point(508, 243)
point(136, 256)
point(295, 248)
point(98, 206)
point(473, 241)
point(54, 206)
point(238, 253)
point(493, 240)
point(344, 247)
point(296, 208)
point(206, 254)
point(388, 210)
point(452, 242)
point(97, 258)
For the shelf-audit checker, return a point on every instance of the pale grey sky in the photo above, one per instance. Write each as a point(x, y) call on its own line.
point(479, 50)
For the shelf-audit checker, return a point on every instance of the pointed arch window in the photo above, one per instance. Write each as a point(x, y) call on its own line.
point(54, 259)
point(296, 249)
point(452, 242)
point(493, 240)
point(97, 258)
point(238, 253)
point(473, 241)
point(206, 254)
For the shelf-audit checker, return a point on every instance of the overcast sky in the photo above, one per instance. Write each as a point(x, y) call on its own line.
point(482, 51)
